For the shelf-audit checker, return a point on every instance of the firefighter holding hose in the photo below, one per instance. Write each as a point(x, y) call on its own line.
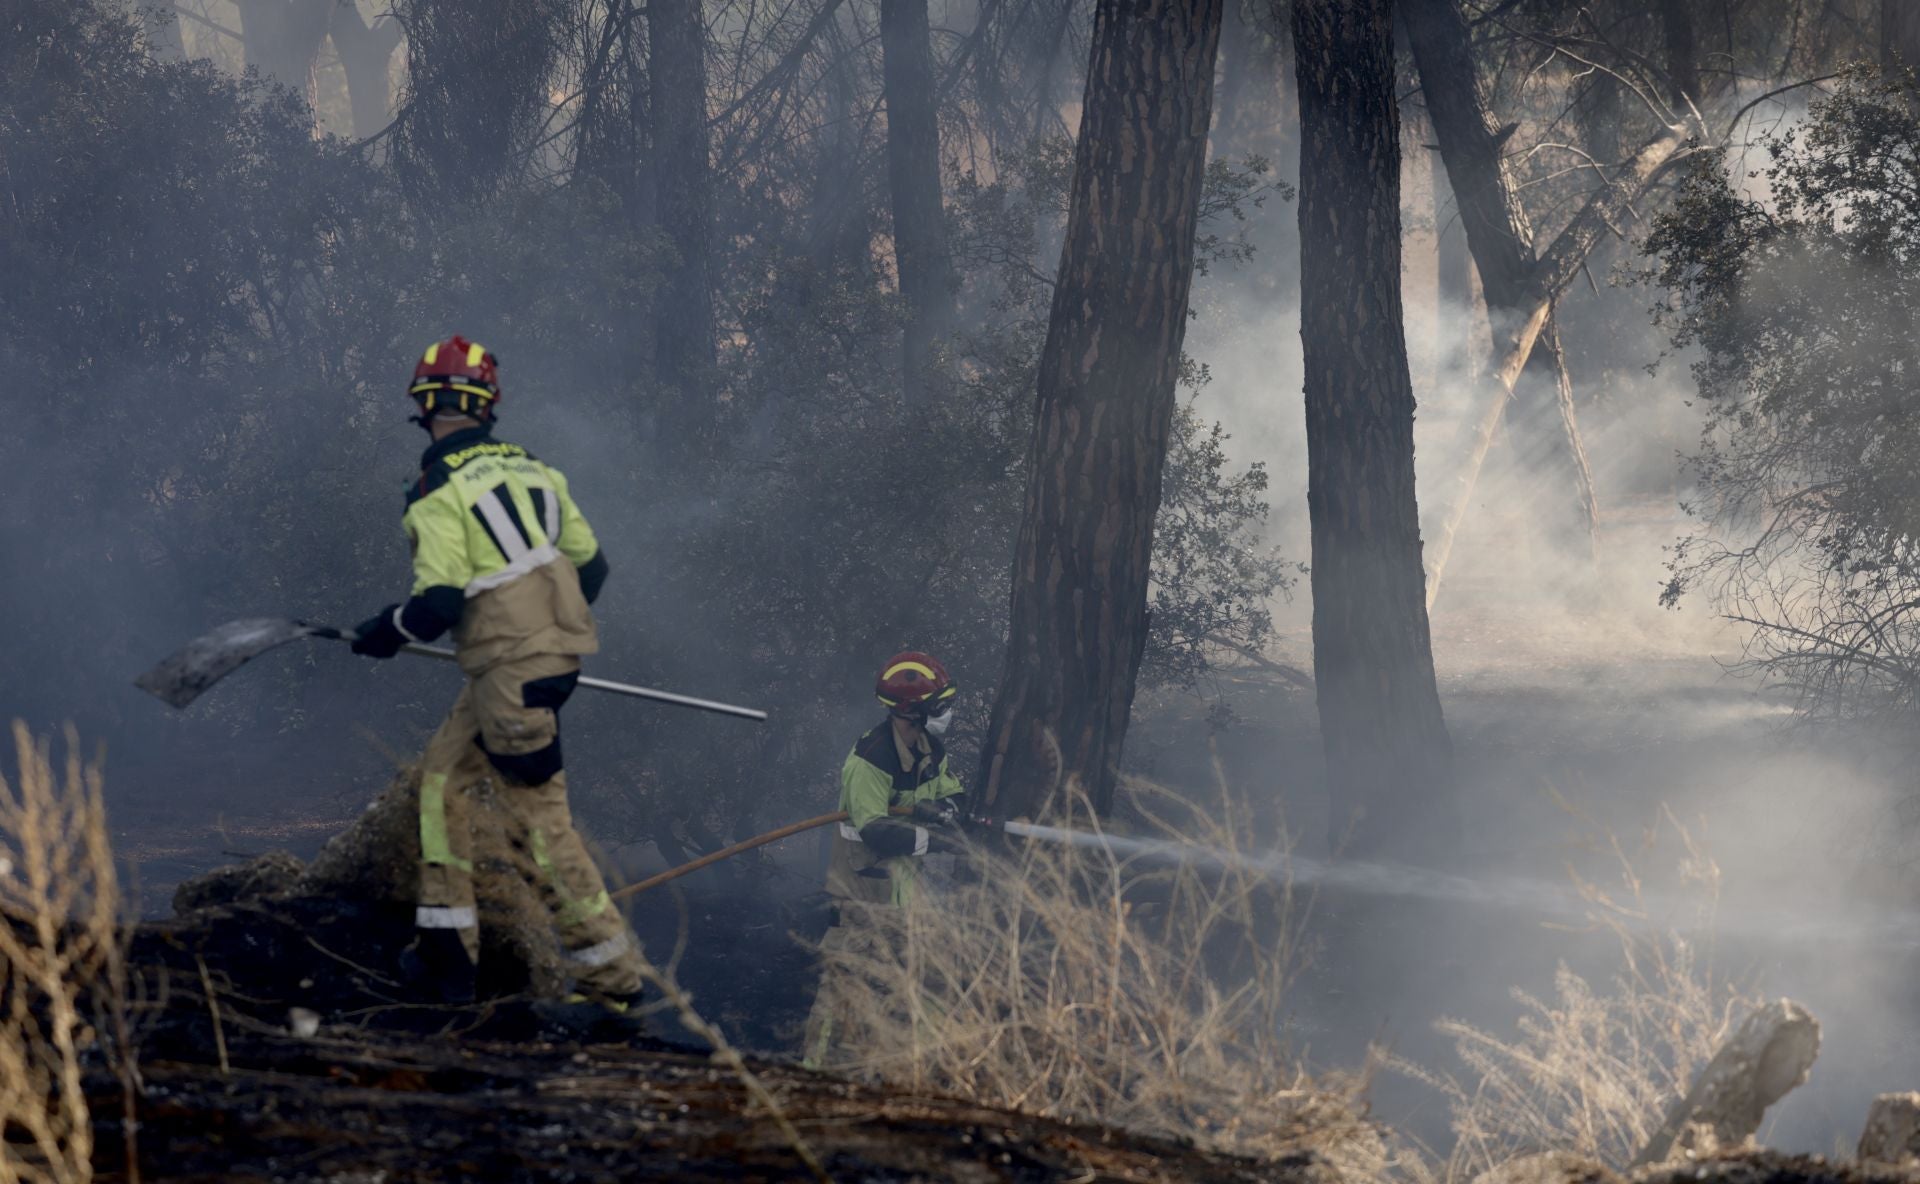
point(901, 802)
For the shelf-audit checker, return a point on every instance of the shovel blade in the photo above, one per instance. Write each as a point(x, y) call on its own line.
point(181, 677)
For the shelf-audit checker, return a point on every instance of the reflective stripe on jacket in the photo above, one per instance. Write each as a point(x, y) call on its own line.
point(489, 519)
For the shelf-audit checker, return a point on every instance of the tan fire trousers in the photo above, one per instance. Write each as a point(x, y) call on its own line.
point(492, 712)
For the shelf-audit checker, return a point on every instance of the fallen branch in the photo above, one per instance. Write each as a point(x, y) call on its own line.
point(1292, 674)
point(1557, 267)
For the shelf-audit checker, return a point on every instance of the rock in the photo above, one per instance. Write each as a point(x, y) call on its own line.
point(1772, 1052)
point(272, 874)
point(1772, 1167)
point(1893, 1131)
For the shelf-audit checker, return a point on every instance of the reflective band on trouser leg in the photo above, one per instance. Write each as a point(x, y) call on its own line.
point(572, 909)
point(600, 953)
point(435, 846)
point(429, 916)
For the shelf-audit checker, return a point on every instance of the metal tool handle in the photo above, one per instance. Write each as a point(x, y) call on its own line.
point(618, 688)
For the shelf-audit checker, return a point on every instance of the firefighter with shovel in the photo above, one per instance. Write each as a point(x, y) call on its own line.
point(502, 558)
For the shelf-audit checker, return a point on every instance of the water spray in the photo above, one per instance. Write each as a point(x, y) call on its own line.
point(1517, 893)
point(1360, 876)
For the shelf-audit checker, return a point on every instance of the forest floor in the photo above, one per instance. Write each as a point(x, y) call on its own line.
point(1575, 717)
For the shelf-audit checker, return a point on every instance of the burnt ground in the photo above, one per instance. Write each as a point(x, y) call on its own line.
point(1573, 715)
point(367, 1108)
point(515, 1089)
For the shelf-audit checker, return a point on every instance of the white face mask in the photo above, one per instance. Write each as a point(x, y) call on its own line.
point(937, 725)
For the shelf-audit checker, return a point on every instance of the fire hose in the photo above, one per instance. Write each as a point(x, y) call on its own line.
point(772, 836)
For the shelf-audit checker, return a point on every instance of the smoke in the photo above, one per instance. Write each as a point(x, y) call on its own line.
point(1581, 710)
point(1579, 707)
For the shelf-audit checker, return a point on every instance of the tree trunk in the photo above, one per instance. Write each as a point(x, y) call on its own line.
point(1105, 407)
point(683, 321)
point(283, 38)
point(1455, 278)
point(1422, 175)
point(1501, 239)
point(1683, 55)
point(913, 178)
point(1389, 758)
point(839, 239)
point(366, 54)
point(1899, 35)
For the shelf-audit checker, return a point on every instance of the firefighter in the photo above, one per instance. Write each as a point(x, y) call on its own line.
point(901, 801)
point(502, 557)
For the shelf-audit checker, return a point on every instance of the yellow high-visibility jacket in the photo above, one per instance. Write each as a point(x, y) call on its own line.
point(501, 554)
point(875, 856)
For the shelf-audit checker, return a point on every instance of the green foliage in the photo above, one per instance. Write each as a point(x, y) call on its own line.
point(1799, 283)
point(1211, 577)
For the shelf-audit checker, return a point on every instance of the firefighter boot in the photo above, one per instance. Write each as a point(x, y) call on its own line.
point(438, 967)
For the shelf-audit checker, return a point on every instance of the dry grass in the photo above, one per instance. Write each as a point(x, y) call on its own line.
point(1075, 983)
point(60, 950)
point(1591, 1071)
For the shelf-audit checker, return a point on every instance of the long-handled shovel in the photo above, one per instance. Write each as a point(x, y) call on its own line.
point(181, 677)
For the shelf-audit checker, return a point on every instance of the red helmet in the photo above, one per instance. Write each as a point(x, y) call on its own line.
point(457, 375)
point(913, 681)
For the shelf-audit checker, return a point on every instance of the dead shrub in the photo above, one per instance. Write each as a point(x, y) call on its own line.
point(1139, 986)
point(62, 968)
point(1590, 1071)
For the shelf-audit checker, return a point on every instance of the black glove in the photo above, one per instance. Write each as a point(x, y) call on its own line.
point(377, 636)
point(939, 812)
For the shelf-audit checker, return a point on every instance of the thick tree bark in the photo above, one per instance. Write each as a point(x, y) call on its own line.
point(1899, 35)
point(283, 38)
point(1105, 406)
point(683, 322)
point(1501, 239)
point(1389, 759)
point(366, 54)
point(913, 179)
